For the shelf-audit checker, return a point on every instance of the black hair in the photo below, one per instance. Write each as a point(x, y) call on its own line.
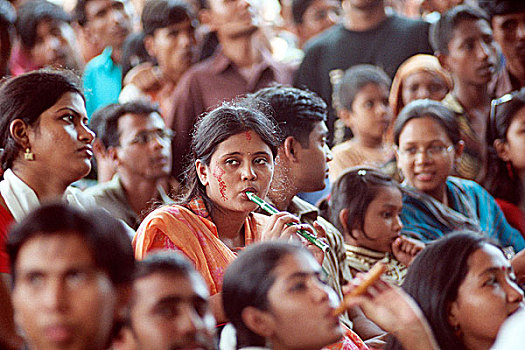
point(295, 111)
point(105, 120)
point(7, 25)
point(163, 13)
point(229, 119)
point(442, 32)
point(258, 261)
point(354, 190)
point(134, 53)
point(428, 109)
point(502, 181)
point(170, 262)
point(356, 78)
point(299, 7)
point(79, 12)
point(434, 278)
point(502, 7)
point(31, 13)
point(106, 237)
point(26, 97)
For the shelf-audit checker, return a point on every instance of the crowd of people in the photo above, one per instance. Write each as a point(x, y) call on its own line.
point(230, 174)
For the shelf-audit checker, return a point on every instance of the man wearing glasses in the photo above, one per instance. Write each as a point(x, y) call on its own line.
point(134, 136)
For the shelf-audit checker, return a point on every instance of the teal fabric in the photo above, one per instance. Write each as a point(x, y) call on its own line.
point(102, 81)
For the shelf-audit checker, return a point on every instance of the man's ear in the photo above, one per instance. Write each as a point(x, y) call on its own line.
point(19, 131)
point(149, 45)
point(112, 153)
point(502, 149)
point(202, 172)
point(443, 60)
point(258, 321)
point(206, 18)
point(99, 149)
point(289, 146)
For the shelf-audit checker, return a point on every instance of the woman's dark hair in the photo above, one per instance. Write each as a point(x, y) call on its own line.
point(354, 189)
point(26, 97)
point(227, 120)
point(247, 282)
point(428, 109)
point(434, 278)
point(502, 180)
point(355, 79)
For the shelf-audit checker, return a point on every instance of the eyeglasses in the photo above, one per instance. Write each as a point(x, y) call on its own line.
point(146, 137)
point(431, 151)
point(493, 134)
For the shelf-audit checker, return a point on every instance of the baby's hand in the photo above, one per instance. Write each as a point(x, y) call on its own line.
point(405, 249)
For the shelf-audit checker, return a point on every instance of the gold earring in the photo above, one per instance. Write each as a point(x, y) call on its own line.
point(28, 155)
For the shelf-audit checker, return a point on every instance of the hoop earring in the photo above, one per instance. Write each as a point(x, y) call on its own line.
point(28, 155)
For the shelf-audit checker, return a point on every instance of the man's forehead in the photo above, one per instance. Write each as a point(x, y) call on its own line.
point(95, 6)
point(160, 285)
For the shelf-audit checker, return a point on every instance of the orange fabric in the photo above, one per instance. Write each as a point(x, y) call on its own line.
point(191, 231)
point(349, 341)
point(415, 64)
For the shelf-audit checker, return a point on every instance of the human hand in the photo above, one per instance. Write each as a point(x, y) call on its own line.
point(405, 249)
point(145, 77)
point(393, 310)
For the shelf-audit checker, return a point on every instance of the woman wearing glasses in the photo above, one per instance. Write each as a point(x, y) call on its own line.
point(428, 144)
point(506, 144)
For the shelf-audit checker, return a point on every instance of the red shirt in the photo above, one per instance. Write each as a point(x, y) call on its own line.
point(6, 220)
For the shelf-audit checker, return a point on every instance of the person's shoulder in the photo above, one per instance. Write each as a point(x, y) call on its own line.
point(405, 22)
point(327, 38)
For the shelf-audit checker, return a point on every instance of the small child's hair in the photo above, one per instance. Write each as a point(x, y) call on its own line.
point(354, 189)
point(356, 78)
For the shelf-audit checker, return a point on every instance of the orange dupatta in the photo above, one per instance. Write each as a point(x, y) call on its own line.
point(191, 231)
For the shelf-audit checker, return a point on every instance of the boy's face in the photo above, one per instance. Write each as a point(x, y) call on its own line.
point(472, 54)
point(313, 160)
point(509, 32)
point(172, 46)
point(61, 299)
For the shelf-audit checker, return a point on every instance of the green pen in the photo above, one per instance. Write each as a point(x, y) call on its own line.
point(271, 210)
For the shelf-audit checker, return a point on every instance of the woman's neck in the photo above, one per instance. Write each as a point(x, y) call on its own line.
point(368, 142)
point(45, 187)
point(229, 226)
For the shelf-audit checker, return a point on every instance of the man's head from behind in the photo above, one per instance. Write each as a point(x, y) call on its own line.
point(301, 116)
point(70, 271)
point(462, 40)
point(169, 31)
point(136, 138)
point(508, 24)
point(45, 33)
point(169, 306)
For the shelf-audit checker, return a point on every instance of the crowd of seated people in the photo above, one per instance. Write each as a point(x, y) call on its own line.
point(155, 155)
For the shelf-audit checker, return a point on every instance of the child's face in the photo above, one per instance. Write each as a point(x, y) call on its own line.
point(421, 85)
point(382, 223)
point(513, 149)
point(472, 54)
point(371, 113)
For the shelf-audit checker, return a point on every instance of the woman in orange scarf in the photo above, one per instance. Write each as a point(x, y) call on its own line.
point(233, 151)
